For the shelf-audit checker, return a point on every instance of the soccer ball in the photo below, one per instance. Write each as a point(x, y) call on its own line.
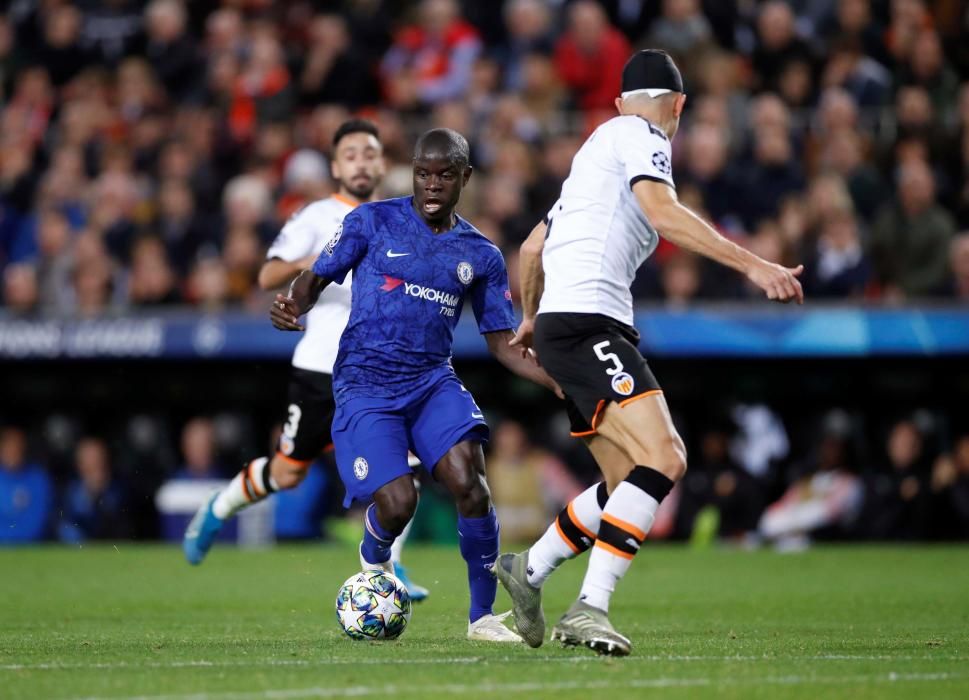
point(373, 605)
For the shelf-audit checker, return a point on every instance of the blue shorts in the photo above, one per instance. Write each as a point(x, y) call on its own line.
point(372, 435)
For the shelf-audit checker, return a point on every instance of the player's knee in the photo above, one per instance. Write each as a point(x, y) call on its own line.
point(397, 505)
point(286, 476)
point(670, 458)
point(471, 493)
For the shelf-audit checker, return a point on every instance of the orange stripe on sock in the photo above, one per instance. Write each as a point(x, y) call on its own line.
point(578, 523)
point(245, 491)
point(558, 529)
point(628, 528)
point(612, 550)
point(256, 491)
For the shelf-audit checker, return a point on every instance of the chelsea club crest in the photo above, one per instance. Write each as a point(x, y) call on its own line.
point(465, 273)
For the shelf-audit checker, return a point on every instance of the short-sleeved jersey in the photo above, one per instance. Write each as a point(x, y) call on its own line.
point(598, 235)
point(304, 235)
point(409, 286)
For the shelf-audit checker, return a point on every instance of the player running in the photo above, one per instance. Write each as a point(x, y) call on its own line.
point(358, 168)
point(414, 262)
point(618, 195)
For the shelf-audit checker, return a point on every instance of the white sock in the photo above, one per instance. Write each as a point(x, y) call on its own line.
point(572, 532)
point(249, 486)
point(626, 520)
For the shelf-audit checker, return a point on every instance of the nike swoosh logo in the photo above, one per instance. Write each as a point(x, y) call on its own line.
point(392, 254)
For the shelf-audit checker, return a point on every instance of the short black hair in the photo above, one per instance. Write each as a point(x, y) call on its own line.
point(448, 143)
point(355, 126)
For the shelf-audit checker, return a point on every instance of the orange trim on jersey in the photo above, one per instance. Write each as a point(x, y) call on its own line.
point(256, 491)
point(587, 433)
point(595, 419)
point(294, 462)
point(628, 528)
point(578, 523)
point(558, 528)
point(637, 397)
point(346, 200)
point(612, 550)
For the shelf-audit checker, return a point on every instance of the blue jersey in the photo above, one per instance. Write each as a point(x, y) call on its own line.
point(409, 286)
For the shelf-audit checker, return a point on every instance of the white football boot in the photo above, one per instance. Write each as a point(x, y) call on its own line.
point(491, 628)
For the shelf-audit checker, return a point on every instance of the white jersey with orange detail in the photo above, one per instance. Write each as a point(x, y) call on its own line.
point(304, 236)
point(598, 235)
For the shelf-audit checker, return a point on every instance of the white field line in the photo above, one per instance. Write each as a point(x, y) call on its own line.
point(532, 687)
point(443, 661)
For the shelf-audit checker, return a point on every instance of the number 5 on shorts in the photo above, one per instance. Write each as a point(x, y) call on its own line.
point(608, 357)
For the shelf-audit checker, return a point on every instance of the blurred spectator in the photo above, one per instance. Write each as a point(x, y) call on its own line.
point(773, 174)
point(527, 483)
point(198, 451)
point(60, 50)
point(825, 500)
point(680, 278)
point(854, 19)
point(430, 61)
point(864, 78)
point(910, 241)
point(777, 43)
point(895, 497)
point(959, 262)
point(589, 57)
point(950, 491)
point(843, 154)
point(26, 493)
point(716, 480)
point(838, 266)
point(927, 67)
point(707, 167)
point(94, 505)
point(20, 290)
point(262, 91)
point(529, 26)
point(683, 31)
point(170, 50)
point(335, 69)
point(151, 278)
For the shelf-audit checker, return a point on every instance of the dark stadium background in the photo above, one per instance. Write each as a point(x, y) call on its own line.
point(149, 152)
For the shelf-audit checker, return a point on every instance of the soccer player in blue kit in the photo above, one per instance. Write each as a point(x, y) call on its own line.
point(414, 262)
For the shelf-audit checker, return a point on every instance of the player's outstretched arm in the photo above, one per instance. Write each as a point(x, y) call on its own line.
point(303, 293)
point(681, 226)
point(276, 272)
point(500, 347)
point(532, 278)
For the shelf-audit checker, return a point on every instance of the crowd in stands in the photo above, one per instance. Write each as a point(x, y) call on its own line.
point(150, 151)
point(756, 477)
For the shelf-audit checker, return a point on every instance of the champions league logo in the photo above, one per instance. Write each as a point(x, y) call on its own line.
point(465, 273)
point(661, 162)
point(328, 248)
point(360, 468)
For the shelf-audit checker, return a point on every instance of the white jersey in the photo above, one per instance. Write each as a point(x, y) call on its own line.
point(305, 235)
point(598, 235)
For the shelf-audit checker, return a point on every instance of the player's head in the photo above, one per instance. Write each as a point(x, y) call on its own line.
point(358, 158)
point(652, 87)
point(442, 166)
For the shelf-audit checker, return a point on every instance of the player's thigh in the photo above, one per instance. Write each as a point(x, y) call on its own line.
point(309, 414)
point(644, 430)
point(444, 416)
point(370, 443)
point(613, 461)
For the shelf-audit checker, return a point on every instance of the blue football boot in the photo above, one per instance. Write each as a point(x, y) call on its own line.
point(417, 592)
point(201, 533)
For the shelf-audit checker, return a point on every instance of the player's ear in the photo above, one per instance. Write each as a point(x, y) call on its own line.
point(334, 170)
point(467, 174)
point(619, 105)
point(678, 105)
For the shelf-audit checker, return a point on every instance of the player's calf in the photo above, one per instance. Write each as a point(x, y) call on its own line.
point(394, 505)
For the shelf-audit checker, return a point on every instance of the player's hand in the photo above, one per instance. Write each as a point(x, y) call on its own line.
point(778, 282)
point(524, 337)
point(285, 314)
point(557, 390)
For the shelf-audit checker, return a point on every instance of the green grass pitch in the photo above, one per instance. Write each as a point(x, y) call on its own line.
point(137, 622)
